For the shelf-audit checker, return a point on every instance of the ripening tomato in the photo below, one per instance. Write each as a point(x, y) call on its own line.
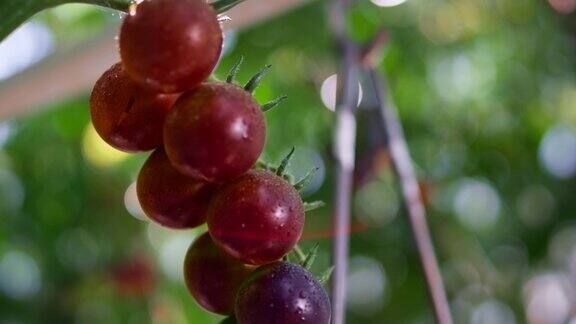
point(213, 277)
point(170, 198)
point(258, 217)
point(127, 116)
point(215, 132)
point(170, 45)
point(282, 293)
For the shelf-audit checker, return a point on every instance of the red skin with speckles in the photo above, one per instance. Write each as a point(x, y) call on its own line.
point(215, 132)
point(212, 276)
point(170, 198)
point(258, 217)
point(171, 45)
point(125, 115)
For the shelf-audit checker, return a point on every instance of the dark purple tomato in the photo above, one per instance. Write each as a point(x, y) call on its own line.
point(125, 115)
point(212, 276)
point(282, 293)
point(170, 45)
point(258, 217)
point(215, 132)
point(170, 198)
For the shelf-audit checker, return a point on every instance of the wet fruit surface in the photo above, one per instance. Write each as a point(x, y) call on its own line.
point(258, 217)
point(170, 45)
point(212, 276)
point(215, 132)
point(282, 293)
point(125, 115)
point(170, 198)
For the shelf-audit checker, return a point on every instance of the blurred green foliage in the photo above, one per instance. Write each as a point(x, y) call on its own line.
point(487, 94)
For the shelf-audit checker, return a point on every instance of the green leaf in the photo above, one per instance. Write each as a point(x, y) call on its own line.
point(14, 13)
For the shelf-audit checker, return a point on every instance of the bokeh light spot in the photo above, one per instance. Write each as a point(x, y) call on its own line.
point(492, 312)
point(563, 6)
point(19, 275)
point(27, 45)
point(557, 151)
point(388, 3)
point(546, 299)
point(172, 254)
point(476, 204)
point(98, 152)
point(328, 92)
point(132, 204)
point(367, 284)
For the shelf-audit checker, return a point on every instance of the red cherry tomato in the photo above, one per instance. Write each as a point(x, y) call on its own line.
point(170, 45)
point(258, 217)
point(215, 132)
point(125, 115)
point(213, 277)
point(170, 198)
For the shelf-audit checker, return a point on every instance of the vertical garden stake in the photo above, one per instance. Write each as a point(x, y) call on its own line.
point(344, 152)
point(416, 212)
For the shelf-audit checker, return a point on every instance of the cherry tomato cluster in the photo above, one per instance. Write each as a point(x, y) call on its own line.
point(207, 137)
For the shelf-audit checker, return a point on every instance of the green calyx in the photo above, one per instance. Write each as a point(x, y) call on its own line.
point(254, 82)
point(325, 276)
point(306, 260)
point(257, 78)
point(310, 257)
point(269, 105)
point(234, 70)
point(281, 170)
point(306, 180)
point(300, 185)
point(309, 206)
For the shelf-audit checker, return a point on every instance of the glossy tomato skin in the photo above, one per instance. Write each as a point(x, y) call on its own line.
point(170, 198)
point(258, 217)
point(170, 45)
point(125, 115)
point(282, 293)
point(212, 276)
point(215, 132)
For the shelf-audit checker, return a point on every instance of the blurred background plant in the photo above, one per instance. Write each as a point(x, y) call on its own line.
point(487, 94)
